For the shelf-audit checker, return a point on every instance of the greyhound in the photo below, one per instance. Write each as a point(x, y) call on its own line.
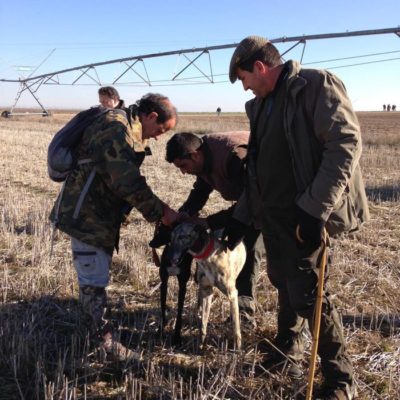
point(216, 266)
point(162, 237)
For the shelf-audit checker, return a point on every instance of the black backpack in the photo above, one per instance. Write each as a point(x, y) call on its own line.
point(61, 157)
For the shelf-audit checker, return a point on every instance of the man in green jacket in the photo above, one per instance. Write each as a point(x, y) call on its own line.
point(303, 176)
point(97, 195)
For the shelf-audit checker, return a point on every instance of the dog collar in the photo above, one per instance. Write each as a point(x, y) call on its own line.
point(206, 252)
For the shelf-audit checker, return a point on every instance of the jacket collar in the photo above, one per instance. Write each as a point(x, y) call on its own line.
point(294, 81)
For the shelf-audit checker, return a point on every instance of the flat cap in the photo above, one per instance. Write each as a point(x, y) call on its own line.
point(245, 49)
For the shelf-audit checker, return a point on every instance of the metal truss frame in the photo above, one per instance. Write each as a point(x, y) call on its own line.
point(32, 84)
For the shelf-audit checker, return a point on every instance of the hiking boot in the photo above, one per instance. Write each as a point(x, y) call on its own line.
point(113, 350)
point(283, 366)
point(340, 393)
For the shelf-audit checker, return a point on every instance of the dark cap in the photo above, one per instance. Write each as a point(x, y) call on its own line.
point(245, 49)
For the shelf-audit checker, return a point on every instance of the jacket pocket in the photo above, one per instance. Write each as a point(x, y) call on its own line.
point(85, 263)
point(343, 217)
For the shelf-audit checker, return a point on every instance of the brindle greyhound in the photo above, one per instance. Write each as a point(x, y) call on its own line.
point(216, 266)
point(162, 237)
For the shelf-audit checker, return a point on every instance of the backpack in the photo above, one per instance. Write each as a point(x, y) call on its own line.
point(61, 157)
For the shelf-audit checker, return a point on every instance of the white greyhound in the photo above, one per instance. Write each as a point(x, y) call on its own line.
point(216, 266)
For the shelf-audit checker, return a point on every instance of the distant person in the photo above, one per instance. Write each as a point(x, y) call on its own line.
point(109, 97)
point(388, 107)
point(219, 110)
point(96, 197)
point(302, 175)
point(384, 107)
point(393, 107)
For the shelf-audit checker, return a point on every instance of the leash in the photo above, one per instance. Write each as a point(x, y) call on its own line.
point(317, 317)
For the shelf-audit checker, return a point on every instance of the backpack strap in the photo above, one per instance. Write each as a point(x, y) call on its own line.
point(83, 193)
point(84, 161)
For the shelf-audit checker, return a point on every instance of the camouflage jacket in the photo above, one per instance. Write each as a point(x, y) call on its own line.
point(96, 195)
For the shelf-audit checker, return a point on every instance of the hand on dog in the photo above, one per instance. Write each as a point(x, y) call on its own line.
point(233, 233)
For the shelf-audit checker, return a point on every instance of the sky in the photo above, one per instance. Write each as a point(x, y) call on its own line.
point(42, 36)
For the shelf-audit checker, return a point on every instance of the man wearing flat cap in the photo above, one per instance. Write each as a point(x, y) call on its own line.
point(302, 179)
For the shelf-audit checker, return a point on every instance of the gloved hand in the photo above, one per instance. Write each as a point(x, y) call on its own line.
point(218, 220)
point(233, 233)
point(310, 230)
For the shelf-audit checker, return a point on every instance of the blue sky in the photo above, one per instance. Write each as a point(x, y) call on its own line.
point(64, 34)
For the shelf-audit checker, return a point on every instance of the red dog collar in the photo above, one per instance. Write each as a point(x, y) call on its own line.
point(207, 251)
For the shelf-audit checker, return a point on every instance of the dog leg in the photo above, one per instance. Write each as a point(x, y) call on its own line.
point(233, 299)
point(163, 296)
point(183, 278)
point(205, 299)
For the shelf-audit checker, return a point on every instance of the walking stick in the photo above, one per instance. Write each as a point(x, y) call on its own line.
point(317, 318)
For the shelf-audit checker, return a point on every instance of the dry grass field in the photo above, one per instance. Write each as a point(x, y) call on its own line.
point(43, 348)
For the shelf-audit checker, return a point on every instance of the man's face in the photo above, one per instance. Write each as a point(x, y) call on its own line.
point(192, 165)
point(152, 129)
point(107, 101)
point(257, 80)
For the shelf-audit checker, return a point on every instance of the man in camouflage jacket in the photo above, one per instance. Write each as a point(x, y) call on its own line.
point(303, 176)
point(96, 196)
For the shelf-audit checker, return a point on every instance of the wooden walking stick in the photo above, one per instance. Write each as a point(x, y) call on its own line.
point(317, 318)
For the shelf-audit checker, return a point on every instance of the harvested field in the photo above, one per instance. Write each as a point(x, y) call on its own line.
point(43, 347)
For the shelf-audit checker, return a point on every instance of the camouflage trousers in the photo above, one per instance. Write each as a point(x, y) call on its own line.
point(247, 279)
point(293, 270)
point(93, 301)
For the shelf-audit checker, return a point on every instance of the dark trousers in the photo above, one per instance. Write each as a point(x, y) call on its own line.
point(293, 270)
point(247, 279)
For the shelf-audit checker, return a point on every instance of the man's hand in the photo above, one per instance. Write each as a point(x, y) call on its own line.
point(219, 220)
point(170, 216)
point(233, 233)
point(310, 230)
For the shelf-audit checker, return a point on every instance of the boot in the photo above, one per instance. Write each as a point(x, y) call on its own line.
point(94, 303)
point(339, 393)
point(286, 357)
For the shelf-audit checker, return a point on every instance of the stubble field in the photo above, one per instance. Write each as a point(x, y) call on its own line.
point(43, 347)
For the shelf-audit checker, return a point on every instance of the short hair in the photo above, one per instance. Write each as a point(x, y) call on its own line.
point(109, 91)
point(155, 102)
point(181, 145)
point(268, 54)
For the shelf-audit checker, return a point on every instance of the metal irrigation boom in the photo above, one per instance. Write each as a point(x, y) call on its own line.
point(32, 84)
